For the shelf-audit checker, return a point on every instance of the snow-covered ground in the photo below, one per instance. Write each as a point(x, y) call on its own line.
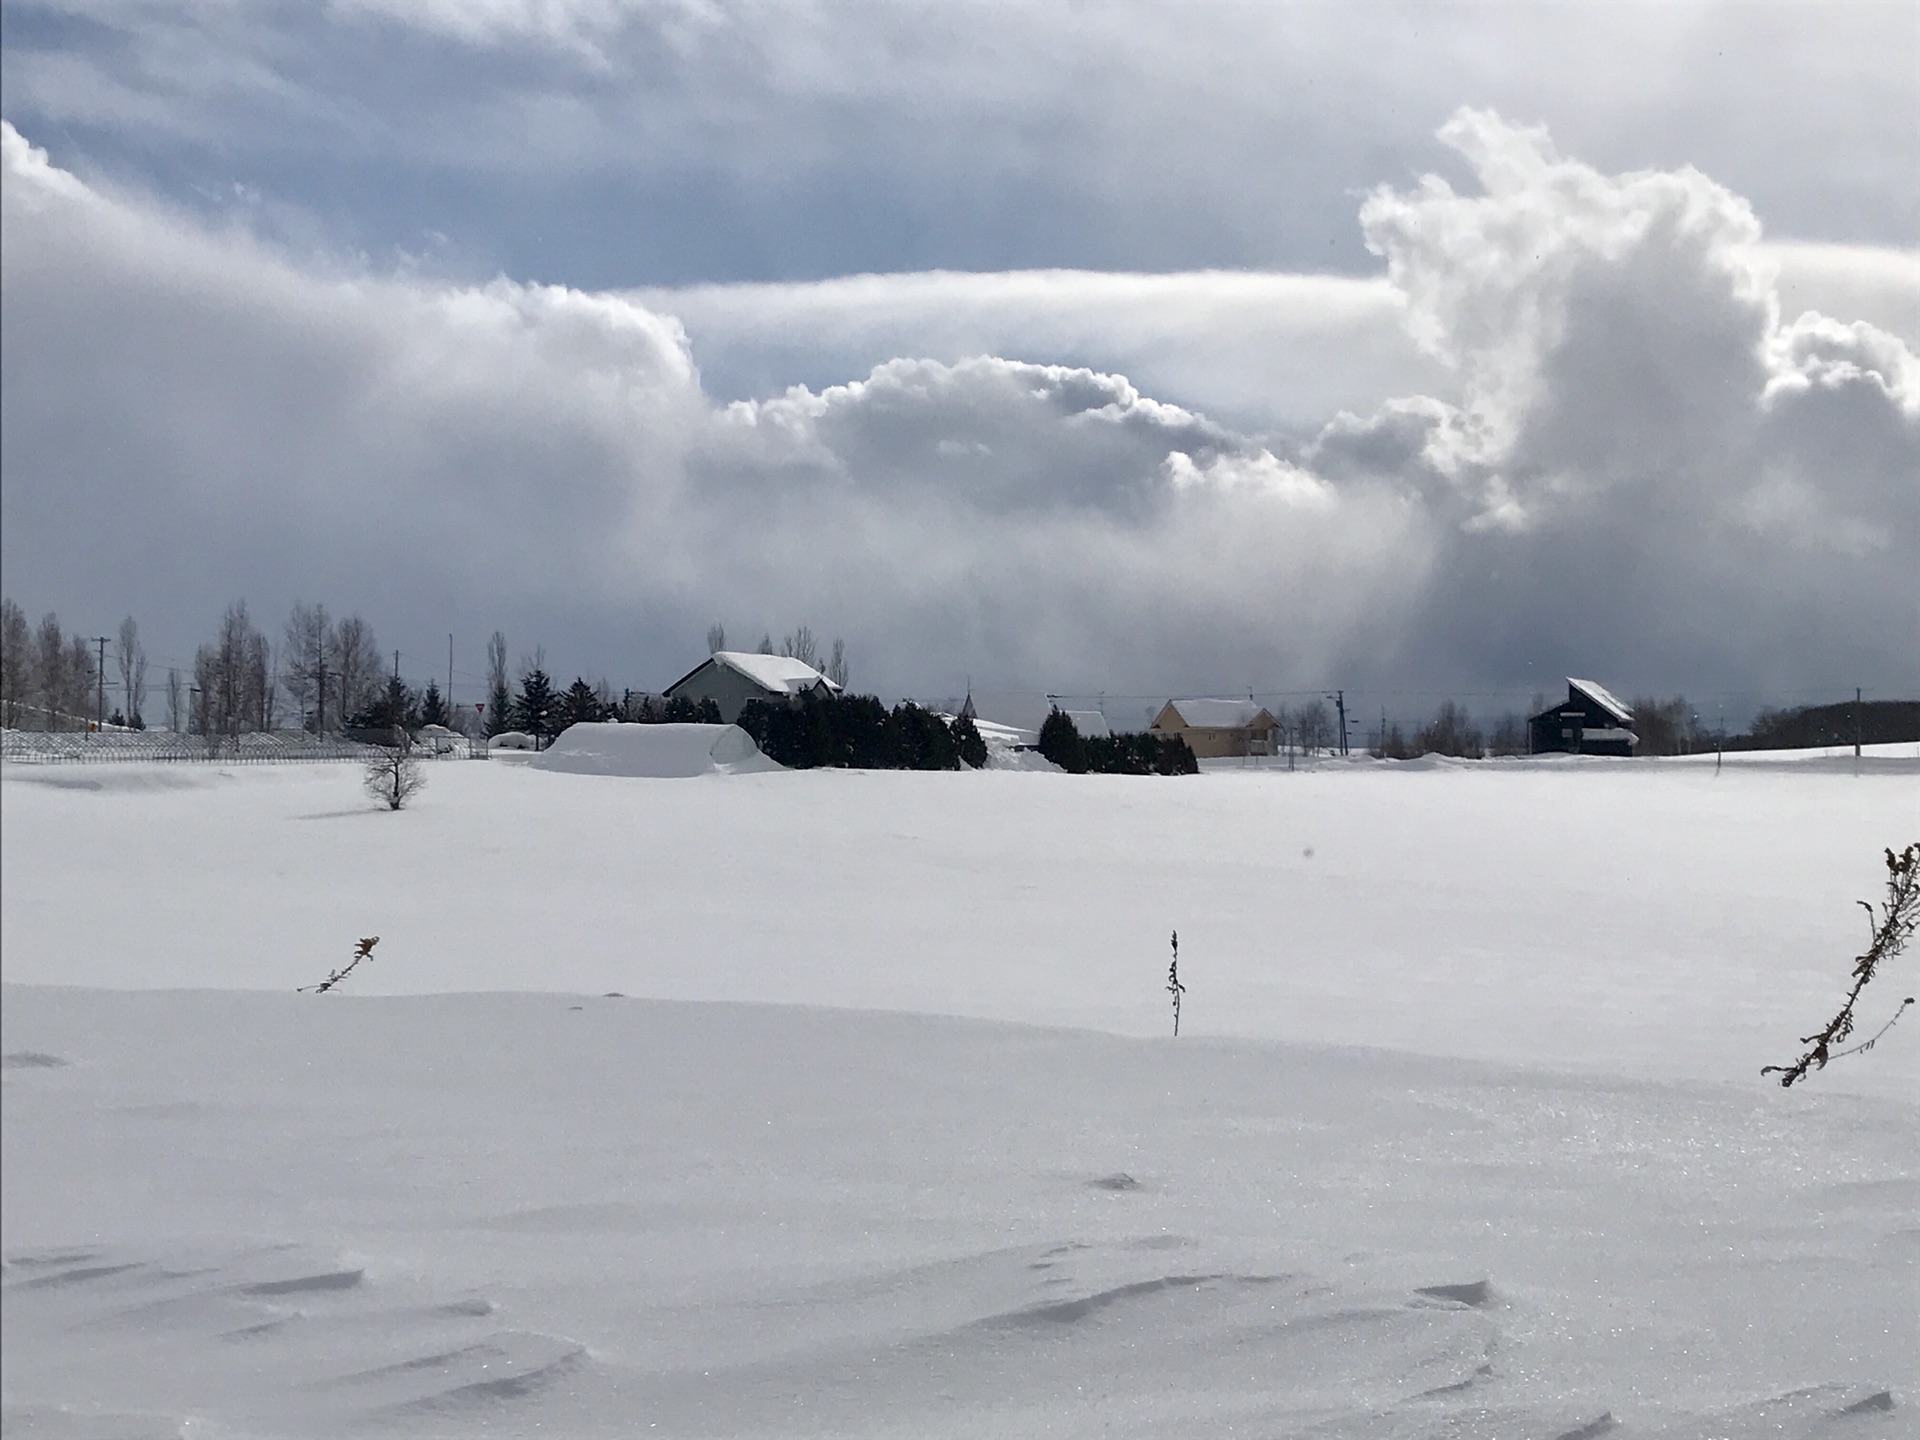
point(1463, 1134)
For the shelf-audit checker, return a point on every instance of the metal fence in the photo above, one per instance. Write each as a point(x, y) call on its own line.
point(278, 747)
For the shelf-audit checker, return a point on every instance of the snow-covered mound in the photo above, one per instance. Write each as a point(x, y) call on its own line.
point(667, 752)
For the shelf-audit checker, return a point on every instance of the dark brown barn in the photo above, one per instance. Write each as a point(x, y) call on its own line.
point(1591, 721)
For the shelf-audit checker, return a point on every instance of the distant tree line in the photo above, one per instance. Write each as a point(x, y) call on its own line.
point(1671, 726)
point(1451, 731)
point(1871, 722)
point(325, 674)
point(1139, 753)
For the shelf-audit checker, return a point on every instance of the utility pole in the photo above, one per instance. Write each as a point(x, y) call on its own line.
point(1856, 722)
point(449, 676)
point(1339, 698)
point(320, 699)
point(100, 674)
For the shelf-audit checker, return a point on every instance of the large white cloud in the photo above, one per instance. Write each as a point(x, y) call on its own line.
point(1637, 468)
point(1261, 350)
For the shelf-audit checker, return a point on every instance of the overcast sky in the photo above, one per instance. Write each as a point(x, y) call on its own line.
point(1133, 348)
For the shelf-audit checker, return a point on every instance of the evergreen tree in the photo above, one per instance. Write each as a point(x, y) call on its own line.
point(433, 706)
point(536, 709)
point(395, 707)
point(1060, 743)
point(966, 740)
point(581, 705)
point(921, 739)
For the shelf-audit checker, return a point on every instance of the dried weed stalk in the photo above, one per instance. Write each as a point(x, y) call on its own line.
point(360, 952)
point(1889, 930)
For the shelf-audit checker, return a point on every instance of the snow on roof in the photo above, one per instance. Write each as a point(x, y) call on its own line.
point(1090, 723)
point(1005, 735)
point(1604, 698)
point(781, 674)
point(1220, 714)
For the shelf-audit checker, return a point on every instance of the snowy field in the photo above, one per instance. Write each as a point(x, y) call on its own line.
point(884, 1133)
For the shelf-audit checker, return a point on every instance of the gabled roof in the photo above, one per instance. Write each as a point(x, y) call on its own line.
point(1091, 724)
point(776, 674)
point(1220, 714)
point(1604, 698)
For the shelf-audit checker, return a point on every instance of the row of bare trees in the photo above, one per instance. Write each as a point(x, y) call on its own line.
point(1451, 730)
point(323, 671)
point(50, 680)
point(330, 669)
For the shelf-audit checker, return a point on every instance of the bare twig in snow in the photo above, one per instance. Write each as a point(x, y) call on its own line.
point(1888, 931)
point(360, 952)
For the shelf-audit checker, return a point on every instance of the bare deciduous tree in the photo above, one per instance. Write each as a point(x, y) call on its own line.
point(837, 663)
point(234, 677)
point(133, 672)
point(801, 646)
point(1450, 732)
point(534, 664)
point(1315, 726)
point(79, 698)
point(499, 697)
point(716, 638)
point(50, 669)
point(1509, 736)
point(262, 690)
point(176, 702)
point(394, 775)
point(356, 660)
point(306, 647)
point(16, 664)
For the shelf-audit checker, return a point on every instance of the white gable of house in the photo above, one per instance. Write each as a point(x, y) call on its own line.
point(776, 674)
point(1216, 714)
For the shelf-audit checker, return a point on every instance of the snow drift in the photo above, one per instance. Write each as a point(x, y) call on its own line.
point(249, 1214)
point(657, 752)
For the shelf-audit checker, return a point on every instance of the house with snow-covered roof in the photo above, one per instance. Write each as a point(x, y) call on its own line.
point(1592, 720)
point(1216, 728)
point(730, 678)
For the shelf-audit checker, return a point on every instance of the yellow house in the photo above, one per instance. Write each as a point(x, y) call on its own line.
point(1216, 728)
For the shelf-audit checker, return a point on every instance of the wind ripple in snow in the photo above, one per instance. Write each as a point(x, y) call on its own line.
point(257, 1326)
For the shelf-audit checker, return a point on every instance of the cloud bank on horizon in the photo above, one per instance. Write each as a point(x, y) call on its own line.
point(1626, 459)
